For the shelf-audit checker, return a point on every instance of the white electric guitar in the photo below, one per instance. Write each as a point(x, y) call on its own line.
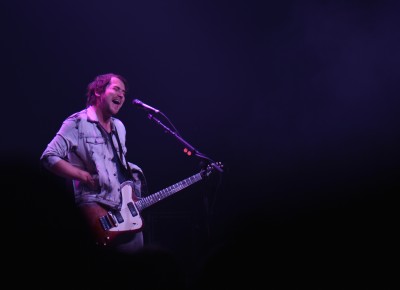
point(106, 225)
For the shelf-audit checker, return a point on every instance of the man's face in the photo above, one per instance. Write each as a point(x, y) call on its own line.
point(113, 97)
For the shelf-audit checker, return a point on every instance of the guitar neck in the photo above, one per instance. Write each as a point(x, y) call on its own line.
point(162, 194)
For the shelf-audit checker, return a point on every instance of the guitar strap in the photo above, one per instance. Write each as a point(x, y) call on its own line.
point(127, 170)
point(143, 190)
point(121, 155)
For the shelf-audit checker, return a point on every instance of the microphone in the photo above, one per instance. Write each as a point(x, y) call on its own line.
point(139, 103)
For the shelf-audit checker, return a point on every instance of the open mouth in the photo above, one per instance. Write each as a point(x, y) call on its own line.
point(116, 101)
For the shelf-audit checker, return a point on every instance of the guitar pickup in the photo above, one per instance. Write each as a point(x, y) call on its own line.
point(132, 209)
point(118, 216)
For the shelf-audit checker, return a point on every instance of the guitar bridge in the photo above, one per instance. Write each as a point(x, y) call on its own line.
point(108, 221)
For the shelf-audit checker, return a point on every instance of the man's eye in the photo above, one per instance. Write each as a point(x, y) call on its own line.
point(118, 89)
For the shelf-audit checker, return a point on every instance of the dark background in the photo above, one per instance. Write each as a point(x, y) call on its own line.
point(298, 100)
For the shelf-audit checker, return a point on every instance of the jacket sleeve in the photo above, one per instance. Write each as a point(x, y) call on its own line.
point(63, 142)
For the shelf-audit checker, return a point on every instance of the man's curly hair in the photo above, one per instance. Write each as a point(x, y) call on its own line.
point(99, 85)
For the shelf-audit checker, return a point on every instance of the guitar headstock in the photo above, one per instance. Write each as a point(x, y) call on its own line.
point(212, 167)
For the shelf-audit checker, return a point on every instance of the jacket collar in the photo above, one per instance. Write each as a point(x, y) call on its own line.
point(92, 117)
point(91, 114)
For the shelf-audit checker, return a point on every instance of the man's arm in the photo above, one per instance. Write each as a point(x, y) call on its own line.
point(67, 170)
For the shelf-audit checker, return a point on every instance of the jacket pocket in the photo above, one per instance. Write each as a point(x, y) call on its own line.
point(95, 140)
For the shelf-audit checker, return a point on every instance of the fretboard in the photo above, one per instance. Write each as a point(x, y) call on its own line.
point(164, 193)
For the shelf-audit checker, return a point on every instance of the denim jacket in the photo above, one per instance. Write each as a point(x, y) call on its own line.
point(83, 143)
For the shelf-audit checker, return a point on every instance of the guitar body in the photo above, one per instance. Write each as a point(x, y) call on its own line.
point(107, 225)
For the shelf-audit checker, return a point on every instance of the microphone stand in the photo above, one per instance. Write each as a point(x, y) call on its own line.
point(188, 150)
